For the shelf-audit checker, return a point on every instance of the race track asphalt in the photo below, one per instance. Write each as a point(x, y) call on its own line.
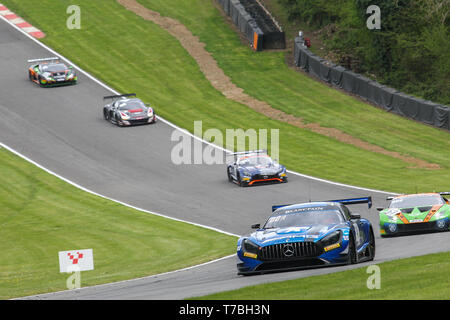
point(63, 130)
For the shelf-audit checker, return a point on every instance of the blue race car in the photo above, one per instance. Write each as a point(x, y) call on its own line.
point(251, 167)
point(308, 234)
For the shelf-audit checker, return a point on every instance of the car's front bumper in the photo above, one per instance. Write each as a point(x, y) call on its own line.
point(54, 83)
point(391, 228)
point(134, 122)
point(260, 179)
point(252, 265)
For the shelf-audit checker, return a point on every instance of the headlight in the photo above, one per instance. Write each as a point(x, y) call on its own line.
point(46, 75)
point(150, 112)
point(124, 116)
point(249, 246)
point(246, 174)
point(70, 76)
point(331, 239)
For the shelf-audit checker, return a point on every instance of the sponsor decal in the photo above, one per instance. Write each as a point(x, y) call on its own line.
point(332, 247)
point(433, 210)
point(250, 255)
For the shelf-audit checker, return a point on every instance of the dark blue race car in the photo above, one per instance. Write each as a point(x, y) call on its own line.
point(305, 235)
point(254, 167)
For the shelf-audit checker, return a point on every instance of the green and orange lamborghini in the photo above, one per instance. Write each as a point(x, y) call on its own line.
point(414, 213)
point(51, 72)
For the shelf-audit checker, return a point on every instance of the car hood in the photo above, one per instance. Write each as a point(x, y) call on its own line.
point(293, 234)
point(136, 113)
point(415, 213)
point(274, 169)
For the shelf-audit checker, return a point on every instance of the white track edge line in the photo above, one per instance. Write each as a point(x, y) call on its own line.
point(108, 198)
point(37, 296)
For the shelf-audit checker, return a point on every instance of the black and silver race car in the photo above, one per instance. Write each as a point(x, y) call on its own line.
point(251, 167)
point(127, 110)
point(51, 72)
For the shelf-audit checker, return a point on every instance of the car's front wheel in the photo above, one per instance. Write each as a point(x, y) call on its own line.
point(352, 254)
point(40, 81)
point(240, 182)
point(118, 122)
point(230, 178)
point(371, 246)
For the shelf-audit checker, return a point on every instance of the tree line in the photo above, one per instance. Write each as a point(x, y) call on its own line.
point(411, 51)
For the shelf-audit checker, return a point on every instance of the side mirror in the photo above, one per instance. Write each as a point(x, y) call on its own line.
point(380, 209)
point(256, 226)
point(355, 216)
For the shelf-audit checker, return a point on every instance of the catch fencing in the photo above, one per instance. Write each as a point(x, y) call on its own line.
point(390, 99)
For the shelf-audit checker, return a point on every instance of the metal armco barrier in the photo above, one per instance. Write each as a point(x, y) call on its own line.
point(260, 29)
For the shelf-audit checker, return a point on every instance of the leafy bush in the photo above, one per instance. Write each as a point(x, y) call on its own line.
point(411, 52)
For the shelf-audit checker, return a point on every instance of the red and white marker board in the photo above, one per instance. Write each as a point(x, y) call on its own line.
point(76, 260)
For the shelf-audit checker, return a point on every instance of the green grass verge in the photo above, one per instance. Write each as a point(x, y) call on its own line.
point(400, 279)
point(155, 66)
point(41, 215)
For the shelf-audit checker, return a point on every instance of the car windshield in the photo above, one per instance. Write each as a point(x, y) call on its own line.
point(304, 217)
point(59, 67)
point(255, 161)
point(130, 105)
point(416, 201)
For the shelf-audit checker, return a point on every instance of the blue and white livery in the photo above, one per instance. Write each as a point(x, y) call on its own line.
point(305, 235)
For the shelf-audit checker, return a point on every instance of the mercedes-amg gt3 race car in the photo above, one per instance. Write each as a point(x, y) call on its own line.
point(127, 111)
point(251, 167)
point(414, 213)
point(307, 234)
point(51, 72)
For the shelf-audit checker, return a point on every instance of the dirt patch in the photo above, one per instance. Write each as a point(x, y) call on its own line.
point(222, 83)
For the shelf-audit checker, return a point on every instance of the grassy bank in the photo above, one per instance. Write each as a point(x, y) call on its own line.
point(41, 215)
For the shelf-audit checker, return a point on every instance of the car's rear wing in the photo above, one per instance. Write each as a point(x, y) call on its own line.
point(350, 201)
point(246, 152)
point(446, 193)
point(120, 96)
point(236, 154)
point(280, 206)
point(44, 60)
point(367, 200)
